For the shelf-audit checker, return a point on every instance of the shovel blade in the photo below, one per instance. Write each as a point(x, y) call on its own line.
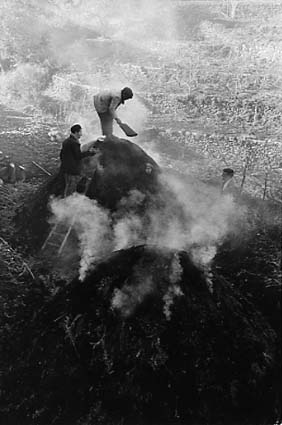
point(127, 130)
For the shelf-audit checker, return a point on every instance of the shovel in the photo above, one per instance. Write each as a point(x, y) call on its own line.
point(127, 130)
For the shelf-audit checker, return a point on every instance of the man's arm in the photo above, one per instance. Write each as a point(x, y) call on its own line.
point(77, 154)
point(115, 102)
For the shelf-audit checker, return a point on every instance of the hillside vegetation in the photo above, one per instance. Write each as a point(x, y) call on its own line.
point(210, 71)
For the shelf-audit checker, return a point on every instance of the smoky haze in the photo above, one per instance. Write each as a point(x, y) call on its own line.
point(88, 41)
point(115, 33)
point(105, 34)
point(206, 219)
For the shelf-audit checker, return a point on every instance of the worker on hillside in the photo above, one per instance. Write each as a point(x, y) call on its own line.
point(10, 172)
point(228, 186)
point(71, 157)
point(106, 103)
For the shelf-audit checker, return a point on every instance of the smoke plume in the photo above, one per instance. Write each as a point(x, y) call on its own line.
point(196, 219)
point(148, 280)
point(91, 223)
point(126, 299)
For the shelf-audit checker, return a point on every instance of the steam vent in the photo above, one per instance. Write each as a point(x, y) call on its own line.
point(143, 338)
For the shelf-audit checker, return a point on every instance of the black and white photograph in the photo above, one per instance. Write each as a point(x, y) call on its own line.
point(140, 212)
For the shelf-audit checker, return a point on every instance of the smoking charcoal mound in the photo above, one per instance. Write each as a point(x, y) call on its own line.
point(123, 166)
point(144, 340)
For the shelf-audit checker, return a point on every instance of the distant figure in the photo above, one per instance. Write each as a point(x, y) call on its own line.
point(12, 173)
point(71, 157)
point(4, 159)
point(148, 168)
point(9, 171)
point(228, 186)
point(106, 103)
point(150, 178)
point(4, 162)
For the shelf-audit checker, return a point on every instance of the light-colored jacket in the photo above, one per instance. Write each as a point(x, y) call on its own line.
point(107, 101)
point(230, 188)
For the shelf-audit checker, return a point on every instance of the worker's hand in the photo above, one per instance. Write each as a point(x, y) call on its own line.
point(95, 151)
point(118, 121)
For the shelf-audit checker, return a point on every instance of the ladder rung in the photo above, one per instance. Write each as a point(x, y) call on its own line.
point(53, 244)
point(63, 235)
point(59, 233)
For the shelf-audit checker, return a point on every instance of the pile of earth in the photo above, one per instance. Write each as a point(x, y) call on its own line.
point(144, 339)
point(122, 169)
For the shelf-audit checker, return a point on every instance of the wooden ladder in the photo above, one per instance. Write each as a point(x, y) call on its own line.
point(55, 233)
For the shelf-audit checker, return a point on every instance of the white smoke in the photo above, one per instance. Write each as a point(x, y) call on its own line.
point(195, 218)
point(91, 223)
point(173, 289)
point(172, 292)
point(126, 299)
point(127, 232)
point(175, 269)
point(128, 227)
point(207, 218)
point(145, 281)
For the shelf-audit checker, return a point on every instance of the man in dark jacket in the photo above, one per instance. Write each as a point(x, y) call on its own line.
point(106, 103)
point(71, 157)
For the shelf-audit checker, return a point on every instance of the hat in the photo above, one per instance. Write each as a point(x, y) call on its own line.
point(228, 171)
point(126, 93)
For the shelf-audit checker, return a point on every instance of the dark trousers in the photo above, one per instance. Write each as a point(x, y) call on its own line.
point(106, 121)
point(71, 182)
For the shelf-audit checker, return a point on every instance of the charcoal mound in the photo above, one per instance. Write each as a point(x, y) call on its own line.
point(145, 339)
point(122, 169)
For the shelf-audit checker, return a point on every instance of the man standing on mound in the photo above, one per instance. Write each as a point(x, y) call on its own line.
point(106, 102)
point(71, 157)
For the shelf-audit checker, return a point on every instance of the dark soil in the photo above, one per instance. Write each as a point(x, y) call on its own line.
point(88, 353)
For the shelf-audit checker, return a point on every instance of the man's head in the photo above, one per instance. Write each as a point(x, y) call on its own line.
point(76, 131)
point(227, 174)
point(148, 168)
point(126, 93)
